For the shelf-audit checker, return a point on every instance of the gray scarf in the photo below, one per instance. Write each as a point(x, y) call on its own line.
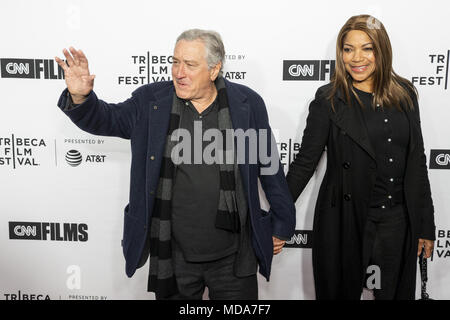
point(162, 279)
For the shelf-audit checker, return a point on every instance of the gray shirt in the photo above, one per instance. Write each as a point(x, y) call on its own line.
point(195, 197)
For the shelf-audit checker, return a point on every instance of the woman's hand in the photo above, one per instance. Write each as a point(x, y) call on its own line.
point(426, 245)
point(278, 245)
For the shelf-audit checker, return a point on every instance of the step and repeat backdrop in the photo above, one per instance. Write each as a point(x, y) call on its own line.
point(62, 191)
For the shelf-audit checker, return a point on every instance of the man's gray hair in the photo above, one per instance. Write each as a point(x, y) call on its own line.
point(215, 50)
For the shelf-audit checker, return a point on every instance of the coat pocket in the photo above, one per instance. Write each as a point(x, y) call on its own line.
point(129, 223)
point(266, 224)
point(265, 213)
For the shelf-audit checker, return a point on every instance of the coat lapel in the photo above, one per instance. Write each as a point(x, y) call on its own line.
point(240, 118)
point(159, 119)
point(350, 120)
point(239, 109)
point(412, 131)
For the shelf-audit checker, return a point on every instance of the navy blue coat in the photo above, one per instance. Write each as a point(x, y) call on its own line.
point(144, 119)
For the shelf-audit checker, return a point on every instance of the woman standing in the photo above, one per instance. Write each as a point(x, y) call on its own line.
point(374, 206)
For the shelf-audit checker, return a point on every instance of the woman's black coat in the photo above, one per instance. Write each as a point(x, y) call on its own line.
point(343, 200)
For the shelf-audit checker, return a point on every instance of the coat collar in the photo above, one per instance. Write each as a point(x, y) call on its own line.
point(160, 118)
point(239, 109)
point(350, 120)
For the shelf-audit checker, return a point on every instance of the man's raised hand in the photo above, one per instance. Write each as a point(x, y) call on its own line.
point(76, 71)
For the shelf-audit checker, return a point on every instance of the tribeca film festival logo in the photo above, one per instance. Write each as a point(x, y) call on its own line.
point(19, 151)
point(30, 69)
point(308, 70)
point(442, 247)
point(438, 71)
point(439, 159)
point(288, 151)
point(48, 231)
point(20, 295)
point(155, 68)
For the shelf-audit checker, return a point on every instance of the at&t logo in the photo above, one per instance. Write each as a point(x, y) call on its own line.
point(74, 158)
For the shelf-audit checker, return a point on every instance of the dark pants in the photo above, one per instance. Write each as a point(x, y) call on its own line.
point(384, 247)
point(218, 276)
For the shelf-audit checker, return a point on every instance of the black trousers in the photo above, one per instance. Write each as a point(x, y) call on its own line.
point(218, 276)
point(384, 247)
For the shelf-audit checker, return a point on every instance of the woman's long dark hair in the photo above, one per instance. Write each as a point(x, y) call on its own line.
point(388, 87)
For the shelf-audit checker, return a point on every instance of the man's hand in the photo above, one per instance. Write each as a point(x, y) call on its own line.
point(277, 245)
point(428, 245)
point(78, 80)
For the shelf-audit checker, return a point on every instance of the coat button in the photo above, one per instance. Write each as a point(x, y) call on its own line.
point(152, 158)
point(346, 165)
point(155, 107)
point(347, 197)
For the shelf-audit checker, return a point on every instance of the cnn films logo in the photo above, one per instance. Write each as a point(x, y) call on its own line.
point(31, 69)
point(439, 159)
point(442, 246)
point(300, 239)
point(438, 75)
point(48, 231)
point(150, 68)
point(308, 70)
point(20, 151)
